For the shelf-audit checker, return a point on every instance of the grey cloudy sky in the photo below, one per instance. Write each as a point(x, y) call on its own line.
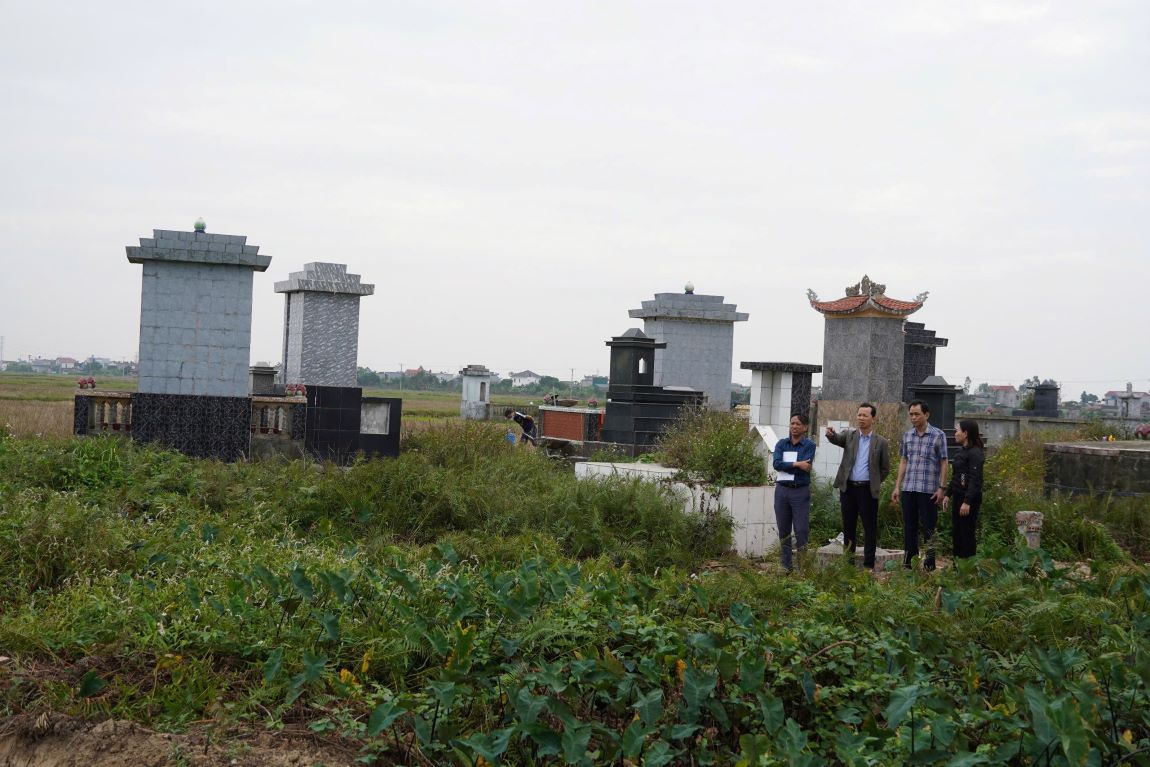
point(515, 176)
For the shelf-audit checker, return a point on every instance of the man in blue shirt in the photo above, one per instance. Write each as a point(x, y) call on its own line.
point(792, 460)
point(865, 464)
point(921, 484)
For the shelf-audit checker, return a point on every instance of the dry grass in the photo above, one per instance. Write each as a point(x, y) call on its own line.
point(37, 404)
point(25, 418)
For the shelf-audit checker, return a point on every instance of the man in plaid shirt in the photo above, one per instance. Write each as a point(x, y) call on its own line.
point(921, 484)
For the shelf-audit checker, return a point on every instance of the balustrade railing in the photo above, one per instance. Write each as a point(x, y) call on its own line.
point(109, 412)
point(272, 415)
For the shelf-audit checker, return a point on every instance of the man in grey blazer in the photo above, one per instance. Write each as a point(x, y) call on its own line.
point(865, 464)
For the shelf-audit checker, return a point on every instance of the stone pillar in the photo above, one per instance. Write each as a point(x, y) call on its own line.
point(321, 325)
point(941, 398)
point(1046, 400)
point(196, 312)
point(919, 353)
point(699, 332)
point(262, 380)
point(778, 391)
point(476, 401)
point(195, 341)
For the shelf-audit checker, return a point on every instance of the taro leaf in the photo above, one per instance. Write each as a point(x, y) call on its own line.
point(809, 687)
point(273, 665)
point(301, 583)
point(850, 745)
point(509, 647)
point(336, 582)
point(902, 701)
point(720, 714)
point(659, 754)
point(489, 745)
point(967, 759)
point(683, 731)
point(926, 756)
point(91, 684)
point(444, 693)
point(449, 555)
point(547, 742)
point(331, 627)
point(751, 669)
point(313, 666)
point(552, 675)
point(741, 614)
point(753, 748)
point(574, 742)
point(382, 717)
point(697, 687)
point(727, 665)
point(528, 707)
point(650, 706)
point(561, 711)
point(1037, 701)
point(193, 591)
point(771, 709)
point(406, 582)
point(849, 715)
point(208, 533)
point(632, 740)
point(951, 600)
point(793, 738)
point(1071, 732)
point(421, 725)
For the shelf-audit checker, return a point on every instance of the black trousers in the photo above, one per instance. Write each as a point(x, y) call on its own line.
point(963, 527)
point(857, 503)
point(919, 511)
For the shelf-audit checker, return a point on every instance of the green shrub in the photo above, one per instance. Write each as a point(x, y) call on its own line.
point(713, 446)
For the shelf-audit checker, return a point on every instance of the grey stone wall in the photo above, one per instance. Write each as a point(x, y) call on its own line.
point(863, 359)
point(919, 354)
point(699, 331)
point(195, 329)
point(195, 312)
point(321, 325)
point(325, 349)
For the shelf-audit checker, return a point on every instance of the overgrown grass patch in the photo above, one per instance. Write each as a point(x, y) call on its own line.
point(473, 600)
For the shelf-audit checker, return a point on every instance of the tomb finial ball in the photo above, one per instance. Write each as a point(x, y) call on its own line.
point(200, 225)
point(689, 288)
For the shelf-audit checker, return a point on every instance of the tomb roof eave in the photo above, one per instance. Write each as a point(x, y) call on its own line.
point(139, 255)
point(877, 304)
point(781, 367)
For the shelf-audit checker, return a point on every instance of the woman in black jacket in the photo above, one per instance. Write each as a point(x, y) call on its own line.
point(964, 493)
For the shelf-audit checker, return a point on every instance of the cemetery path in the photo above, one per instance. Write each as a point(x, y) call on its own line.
point(52, 740)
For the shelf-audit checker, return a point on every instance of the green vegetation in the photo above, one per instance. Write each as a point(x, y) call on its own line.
point(469, 603)
point(713, 446)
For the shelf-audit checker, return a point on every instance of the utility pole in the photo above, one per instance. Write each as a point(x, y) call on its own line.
point(401, 376)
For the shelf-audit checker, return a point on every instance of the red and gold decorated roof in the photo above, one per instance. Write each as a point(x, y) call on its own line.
point(866, 298)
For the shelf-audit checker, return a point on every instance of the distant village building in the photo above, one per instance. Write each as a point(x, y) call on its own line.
point(1127, 403)
point(1006, 396)
point(525, 378)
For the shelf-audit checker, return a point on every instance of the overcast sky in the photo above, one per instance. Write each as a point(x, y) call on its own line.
point(515, 176)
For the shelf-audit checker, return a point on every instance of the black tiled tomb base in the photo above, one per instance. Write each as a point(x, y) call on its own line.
point(331, 425)
point(298, 421)
point(384, 445)
point(199, 426)
point(80, 411)
point(801, 393)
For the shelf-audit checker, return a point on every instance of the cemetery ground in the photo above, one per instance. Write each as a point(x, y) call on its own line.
point(42, 404)
point(472, 603)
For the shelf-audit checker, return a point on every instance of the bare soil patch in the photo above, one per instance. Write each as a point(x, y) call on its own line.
point(54, 740)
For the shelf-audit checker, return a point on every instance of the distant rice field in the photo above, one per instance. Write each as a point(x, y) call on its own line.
point(39, 404)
